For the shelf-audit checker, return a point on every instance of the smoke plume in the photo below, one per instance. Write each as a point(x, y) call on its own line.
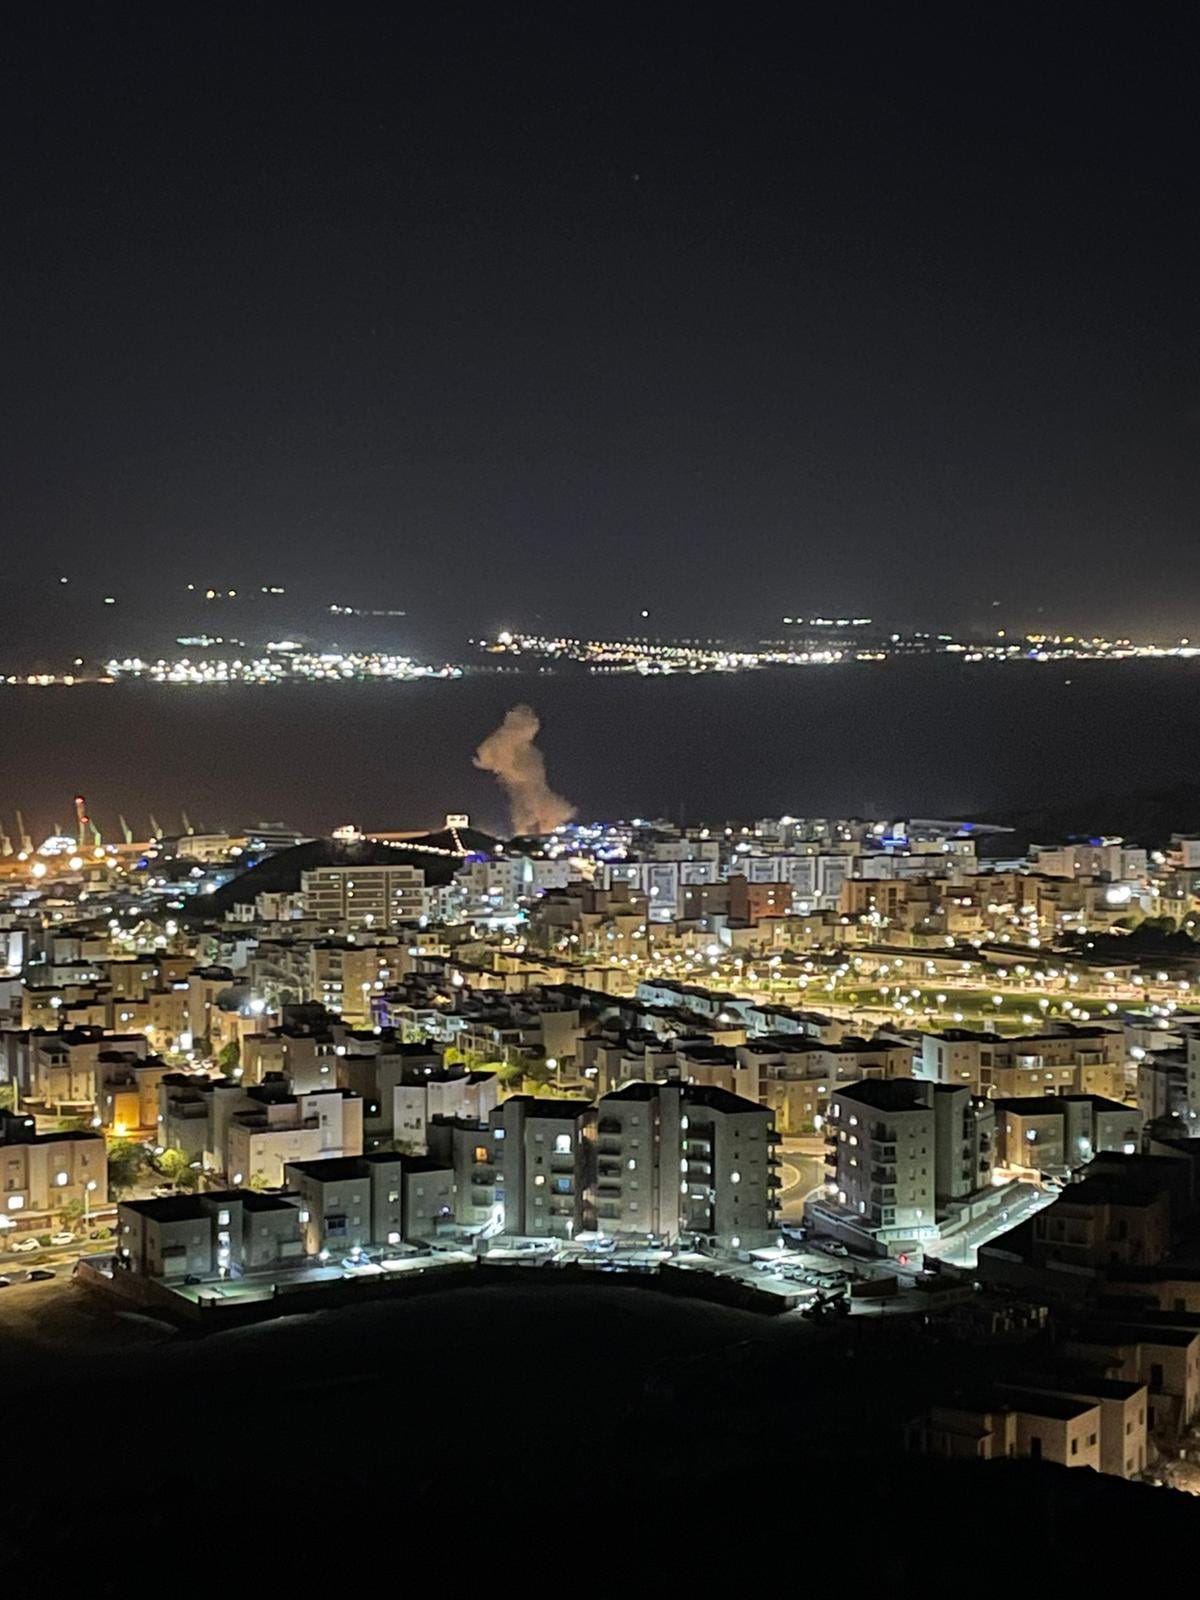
point(519, 765)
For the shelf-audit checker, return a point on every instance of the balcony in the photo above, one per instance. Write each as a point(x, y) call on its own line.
point(883, 1174)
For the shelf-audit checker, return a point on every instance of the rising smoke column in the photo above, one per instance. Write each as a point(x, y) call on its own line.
point(519, 765)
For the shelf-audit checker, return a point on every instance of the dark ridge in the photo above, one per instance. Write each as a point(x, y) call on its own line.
point(1145, 817)
point(280, 873)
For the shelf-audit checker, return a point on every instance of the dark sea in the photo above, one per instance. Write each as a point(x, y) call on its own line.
point(928, 737)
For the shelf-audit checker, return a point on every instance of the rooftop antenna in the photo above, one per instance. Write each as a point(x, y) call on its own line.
point(155, 831)
point(126, 830)
point(187, 827)
point(5, 842)
point(22, 835)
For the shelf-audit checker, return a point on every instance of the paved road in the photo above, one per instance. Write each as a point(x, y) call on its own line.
point(962, 1250)
point(800, 1174)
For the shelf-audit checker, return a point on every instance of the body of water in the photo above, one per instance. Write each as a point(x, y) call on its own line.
point(927, 737)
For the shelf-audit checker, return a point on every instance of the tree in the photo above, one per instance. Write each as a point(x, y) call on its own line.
point(229, 1057)
point(172, 1164)
point(8, 1095)
point(126, 1162)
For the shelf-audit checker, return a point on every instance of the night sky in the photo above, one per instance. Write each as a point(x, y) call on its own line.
point(539, 315)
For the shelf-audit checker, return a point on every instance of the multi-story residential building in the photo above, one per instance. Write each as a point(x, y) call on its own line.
point(799, 1074)
point(126, 1101)
point(345, 975)
point(729, 1150)
point(1054, 1133)
point(40, 1173)
point(905, 1156)
point(466, 1146)
point(375, 1200)
point(363, 897)
point(1011, 1423)
point(206, 1235)
point(61, 1070)
point(1157, 1349)
point(1104, 1221)
point(184, 1117)
point(881, 1161)
point(204, 985)
point(425, 1092)
point(1065, 1060)
point(545, 1164)
point(1164, 1083)
point(637, 1186)
point(270, 1130)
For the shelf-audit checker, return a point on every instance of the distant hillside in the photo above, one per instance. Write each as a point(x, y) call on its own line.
point(438, 854)
point(1146, 817)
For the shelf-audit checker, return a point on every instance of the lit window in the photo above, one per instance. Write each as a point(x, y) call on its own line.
point(304, 1216)
point(16, 1202)
point(393, 1238)
point(735, 1177)
point(562, 1144)
point(61, 1179)
point(539, 1181)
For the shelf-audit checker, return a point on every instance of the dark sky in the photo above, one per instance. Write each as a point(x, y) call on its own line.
point(521, 313)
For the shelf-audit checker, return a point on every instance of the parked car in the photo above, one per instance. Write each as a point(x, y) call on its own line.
point(5, 1283)
point(832, 1247)
point(38, 1274)
point(26, 1247)
point(62, 1238)
point(162, 1191)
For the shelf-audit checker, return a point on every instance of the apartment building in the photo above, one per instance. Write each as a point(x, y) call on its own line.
point(270, 1130)
point(1160, 1350)
point(1056, 1133)
point(1067, 1059)
point(545, 1165)
point(207, 1235)
point(1011, 1424)
point(363, 897)
point(40, 1173)
point(1104, 1221)
point(371, 1201)
point(881, 1154)
point(426, 1092)
point(640, 1154)
point(903, 1156)
point(730, 1177)
point(61, 1070)
point(465, 1145)
point(797, 1075)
